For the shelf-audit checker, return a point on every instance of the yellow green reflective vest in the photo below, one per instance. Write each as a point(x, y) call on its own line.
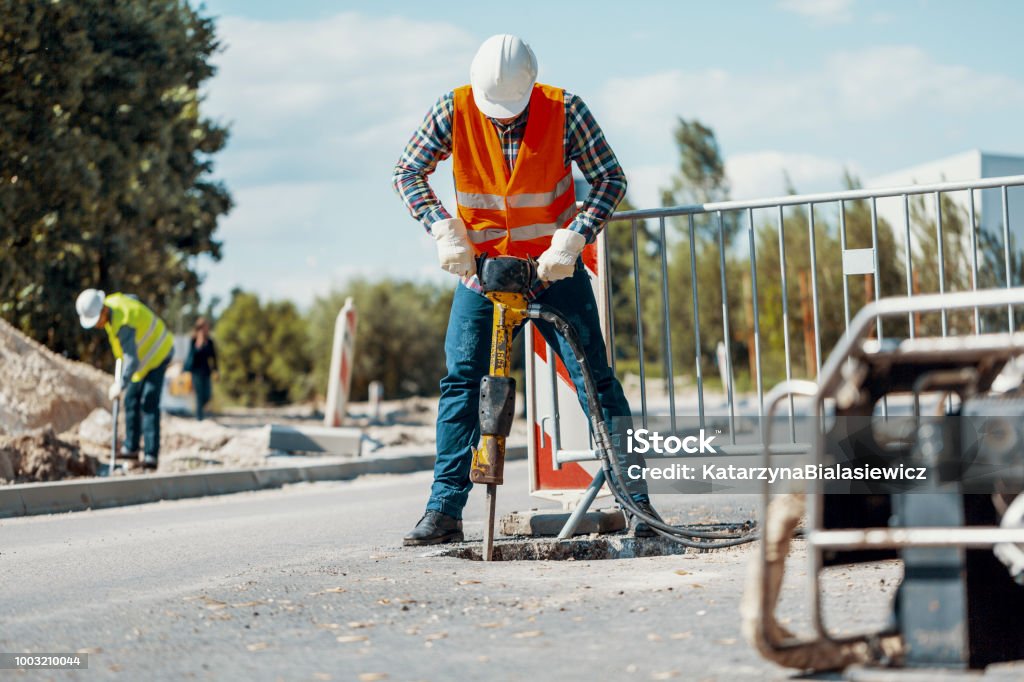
point(153, 343)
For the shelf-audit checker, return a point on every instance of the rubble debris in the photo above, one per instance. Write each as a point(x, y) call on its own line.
point(41, 456)
point(185, 444)
point(578, 549)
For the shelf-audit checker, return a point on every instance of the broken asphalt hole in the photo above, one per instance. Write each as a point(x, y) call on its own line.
point(577, 549)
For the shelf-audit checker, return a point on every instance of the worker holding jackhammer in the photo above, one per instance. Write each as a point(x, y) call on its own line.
point(142, 341)
point(512, 142)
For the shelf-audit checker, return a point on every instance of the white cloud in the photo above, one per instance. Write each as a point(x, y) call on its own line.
point(762, 174)
point(894, 85)
point(299, 240)
point(330, 96)
point(319, 113)
point(279, 210)
point(646, 183)
point(752, 175)
point(347, 69)
point(820, 11)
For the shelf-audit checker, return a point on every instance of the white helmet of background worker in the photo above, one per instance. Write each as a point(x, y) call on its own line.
point(90, 306)
point(502, 75)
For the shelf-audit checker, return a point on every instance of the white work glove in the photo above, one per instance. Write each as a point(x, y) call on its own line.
point(115, 390)
point(559, 261)
point(453, 249)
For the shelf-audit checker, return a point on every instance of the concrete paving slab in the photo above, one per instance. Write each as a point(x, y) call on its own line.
point(545, 522)
point(337, 441)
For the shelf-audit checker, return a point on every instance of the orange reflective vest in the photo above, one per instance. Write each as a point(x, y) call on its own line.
point(512, 212)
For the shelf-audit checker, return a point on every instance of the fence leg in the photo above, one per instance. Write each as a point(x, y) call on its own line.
point(583, 507)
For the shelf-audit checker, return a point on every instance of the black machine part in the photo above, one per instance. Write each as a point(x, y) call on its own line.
point(497, 405)
point(610, 462)
point(506, 274)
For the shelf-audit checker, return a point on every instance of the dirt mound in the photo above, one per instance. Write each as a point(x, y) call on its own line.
point(185, 444)
point(39, 388)
point(41, 456)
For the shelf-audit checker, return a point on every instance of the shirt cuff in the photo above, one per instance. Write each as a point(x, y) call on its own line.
point(582, 226)
point(434, 215)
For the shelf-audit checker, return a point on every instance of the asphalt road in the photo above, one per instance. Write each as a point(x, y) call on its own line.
point(311, 583)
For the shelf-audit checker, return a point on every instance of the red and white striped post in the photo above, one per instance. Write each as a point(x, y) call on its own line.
point(339, 381)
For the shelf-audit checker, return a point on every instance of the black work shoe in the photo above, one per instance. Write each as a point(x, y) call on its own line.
point(638, 527)
point(149, 462)
point(130, 455)
point(433, 529)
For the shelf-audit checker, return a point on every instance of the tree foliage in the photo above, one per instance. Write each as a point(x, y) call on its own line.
point(262, 351)
point(399, 338)
point(626, 281)
point(700, 177)
point(105, 158)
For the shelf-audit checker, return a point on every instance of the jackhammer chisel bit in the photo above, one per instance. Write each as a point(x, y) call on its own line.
point(492, 499)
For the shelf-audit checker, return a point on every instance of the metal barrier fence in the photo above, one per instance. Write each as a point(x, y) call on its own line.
point(930, 241)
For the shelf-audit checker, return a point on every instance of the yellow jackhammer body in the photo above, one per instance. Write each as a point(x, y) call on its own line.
point(505, 281)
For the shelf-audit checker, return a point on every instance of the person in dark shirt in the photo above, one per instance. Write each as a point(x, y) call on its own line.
point(202, 363)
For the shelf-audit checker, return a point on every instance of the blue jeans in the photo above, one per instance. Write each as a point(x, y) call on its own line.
point(142, 409)
point(467, 348)
point(203, 387)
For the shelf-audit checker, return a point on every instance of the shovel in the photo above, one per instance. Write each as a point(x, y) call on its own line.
point(113, 432)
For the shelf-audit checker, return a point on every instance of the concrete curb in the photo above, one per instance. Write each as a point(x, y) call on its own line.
point(29, 499)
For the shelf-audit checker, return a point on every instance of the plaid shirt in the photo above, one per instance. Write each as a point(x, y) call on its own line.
point(584, 143)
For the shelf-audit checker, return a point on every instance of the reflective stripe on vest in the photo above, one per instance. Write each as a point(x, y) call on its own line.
point(153, 342)
point(497, 202)
point(524, 232)
point(154, 349)
point(149, 332)
point(512, 211)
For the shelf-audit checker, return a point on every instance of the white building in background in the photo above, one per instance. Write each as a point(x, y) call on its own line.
point(972, 165)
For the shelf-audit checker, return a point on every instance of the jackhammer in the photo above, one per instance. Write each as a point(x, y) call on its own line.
point(507, 281)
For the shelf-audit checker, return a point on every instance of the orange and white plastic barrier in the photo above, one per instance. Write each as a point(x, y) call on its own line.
point(554, 415)
point(339, 381)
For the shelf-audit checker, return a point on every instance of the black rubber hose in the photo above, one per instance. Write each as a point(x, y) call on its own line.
point(609, 461)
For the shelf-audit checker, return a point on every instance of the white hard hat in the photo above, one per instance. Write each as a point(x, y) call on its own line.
point(502, 75)
point(89, 306)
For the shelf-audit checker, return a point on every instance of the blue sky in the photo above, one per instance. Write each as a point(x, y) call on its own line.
point(322, 96)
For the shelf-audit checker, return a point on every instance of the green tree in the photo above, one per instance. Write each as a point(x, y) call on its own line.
point(399, 337)
point(992, 275)
point(799, 291)
point(700, 177)
point(625, 280)
point(828, 271)
point(262, 351)
point(956, 258)
point(105, 159)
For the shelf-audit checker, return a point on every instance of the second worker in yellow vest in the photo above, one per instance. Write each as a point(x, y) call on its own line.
point(142, 341)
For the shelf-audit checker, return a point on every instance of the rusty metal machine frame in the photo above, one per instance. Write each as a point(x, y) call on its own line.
point(818, 538)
